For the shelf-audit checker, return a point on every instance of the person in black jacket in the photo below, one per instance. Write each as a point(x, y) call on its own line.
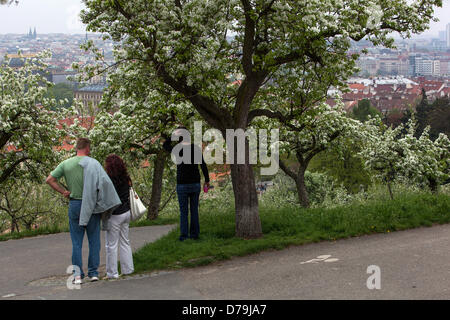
point(117, 236)
point(188, 183)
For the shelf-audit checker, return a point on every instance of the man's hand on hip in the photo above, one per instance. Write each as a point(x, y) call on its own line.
point(66, 194)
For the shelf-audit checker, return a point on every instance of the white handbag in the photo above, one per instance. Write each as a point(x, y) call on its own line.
point(137, 208)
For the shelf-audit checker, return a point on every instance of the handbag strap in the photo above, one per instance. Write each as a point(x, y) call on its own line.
point(134, 193)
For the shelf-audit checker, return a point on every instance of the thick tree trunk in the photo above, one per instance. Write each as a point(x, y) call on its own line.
point(303, 197)
point(155, 199)
point(248, 223)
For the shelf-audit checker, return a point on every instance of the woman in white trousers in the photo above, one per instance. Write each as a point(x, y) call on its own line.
point(116, 239)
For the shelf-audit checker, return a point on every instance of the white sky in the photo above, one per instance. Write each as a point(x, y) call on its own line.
point(61, 16)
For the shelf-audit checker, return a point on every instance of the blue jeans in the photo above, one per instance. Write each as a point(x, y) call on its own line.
point(77, 234)
point(188, 194)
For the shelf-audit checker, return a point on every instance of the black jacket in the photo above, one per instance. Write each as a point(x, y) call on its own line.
point(123, 191)
point(189, 173)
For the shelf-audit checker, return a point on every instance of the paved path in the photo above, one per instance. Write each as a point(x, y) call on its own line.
point(414, 264)
point(30, 264)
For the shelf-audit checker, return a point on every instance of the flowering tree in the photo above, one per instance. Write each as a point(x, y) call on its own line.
point(393, 154)
point(321, 129)
point(27, 204)
point(28, 128)
point(134, 132)
point(9, 1)
point(426, 162)
point(127, 136)
point(196, 47)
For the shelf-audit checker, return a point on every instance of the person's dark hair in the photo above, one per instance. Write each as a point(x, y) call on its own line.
point(116, 169)
point(82, 143)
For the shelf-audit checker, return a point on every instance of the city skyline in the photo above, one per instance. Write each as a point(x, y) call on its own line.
point(61, 16)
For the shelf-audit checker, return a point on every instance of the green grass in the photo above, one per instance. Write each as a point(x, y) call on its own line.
point(33, 233)
point(163, 220)
point(283, 227)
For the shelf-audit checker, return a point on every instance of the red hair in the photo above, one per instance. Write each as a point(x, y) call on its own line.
point(116, 169)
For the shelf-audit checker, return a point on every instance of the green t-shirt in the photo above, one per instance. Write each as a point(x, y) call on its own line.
point(73, 174)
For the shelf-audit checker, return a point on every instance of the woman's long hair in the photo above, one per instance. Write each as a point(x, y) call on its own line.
point(116, 169)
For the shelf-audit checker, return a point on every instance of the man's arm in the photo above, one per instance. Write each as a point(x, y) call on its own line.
point(56, 186)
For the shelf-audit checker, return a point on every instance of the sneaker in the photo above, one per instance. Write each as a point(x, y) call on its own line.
point(93, 279)
point(77, 280)
point(111, 278)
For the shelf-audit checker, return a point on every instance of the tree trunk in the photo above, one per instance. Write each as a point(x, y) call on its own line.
point(248, 223)
point(28, 226)
point(433, 185)
point(390, 190)
point(155, 199)
point(303, 197)
point(299, 179)
point(14, 226)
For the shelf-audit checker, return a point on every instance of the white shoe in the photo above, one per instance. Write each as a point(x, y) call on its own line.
point(77, 280)
point(93, 279)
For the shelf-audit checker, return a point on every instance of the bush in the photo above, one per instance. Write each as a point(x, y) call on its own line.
point(322, 190)
point(28, 206)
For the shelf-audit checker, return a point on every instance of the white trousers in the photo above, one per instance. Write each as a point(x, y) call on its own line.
point(117, 238)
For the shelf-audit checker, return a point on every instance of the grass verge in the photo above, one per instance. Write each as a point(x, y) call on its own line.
point(283, 227)
point(58, 229)
point(33, 233)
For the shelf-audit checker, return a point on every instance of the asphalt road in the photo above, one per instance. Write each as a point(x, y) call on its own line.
point(412, 264)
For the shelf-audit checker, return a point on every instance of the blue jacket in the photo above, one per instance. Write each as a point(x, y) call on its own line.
point(99, 194)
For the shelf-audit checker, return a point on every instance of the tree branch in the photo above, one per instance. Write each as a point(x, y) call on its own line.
point(119, 8)
point(214, 115)
point(11, 168)
point(287, 170)
point(249, 38)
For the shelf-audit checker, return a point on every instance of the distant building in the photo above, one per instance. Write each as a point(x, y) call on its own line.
point(448, 35)
point(439, 45)
point(90, 96)
point(412, 65)
point(389, 66)
point(436, 68)
point(58, 78)
point(61, 76)
point(445, 67)
point(425, 66)
point(368, 65)
point(17, 61)
point(32, 35)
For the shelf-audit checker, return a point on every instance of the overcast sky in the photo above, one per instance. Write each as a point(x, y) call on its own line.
point(61, 16)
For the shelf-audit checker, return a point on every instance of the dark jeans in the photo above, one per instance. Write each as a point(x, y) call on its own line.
point(188, 195)
point(77, 235)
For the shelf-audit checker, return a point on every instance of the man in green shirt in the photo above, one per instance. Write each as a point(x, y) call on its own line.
point(73, 176)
